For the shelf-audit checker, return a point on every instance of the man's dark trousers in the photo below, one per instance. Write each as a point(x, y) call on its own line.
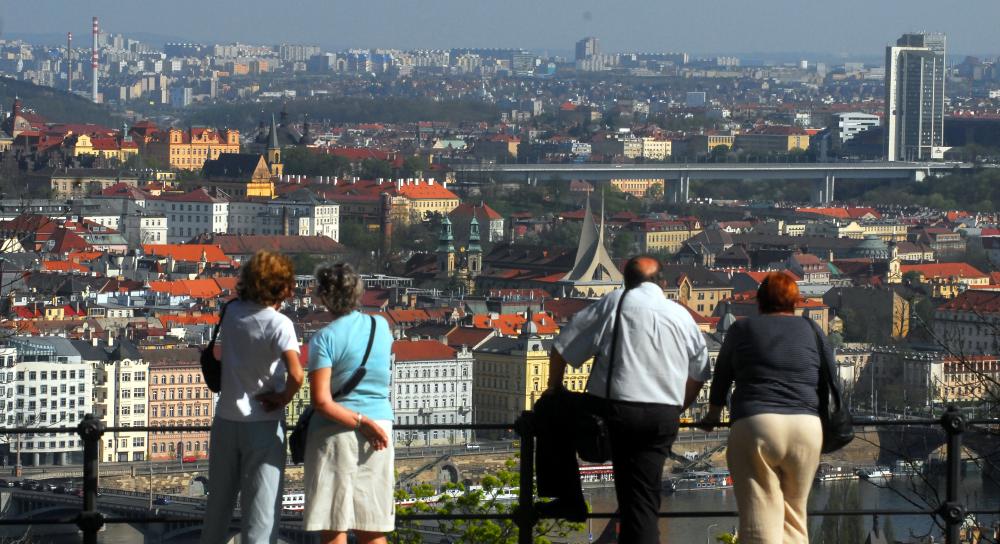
point(641, 436)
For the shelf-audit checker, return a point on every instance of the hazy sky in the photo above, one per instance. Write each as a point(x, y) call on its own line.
point(857, 27)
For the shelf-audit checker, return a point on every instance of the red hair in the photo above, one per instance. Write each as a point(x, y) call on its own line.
point(777, 293)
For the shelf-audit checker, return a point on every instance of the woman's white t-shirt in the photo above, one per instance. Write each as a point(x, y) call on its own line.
point(253, 337)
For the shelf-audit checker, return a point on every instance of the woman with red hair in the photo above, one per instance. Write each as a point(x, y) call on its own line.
point(775, 438)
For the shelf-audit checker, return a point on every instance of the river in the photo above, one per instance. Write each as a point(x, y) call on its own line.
point(974, 491)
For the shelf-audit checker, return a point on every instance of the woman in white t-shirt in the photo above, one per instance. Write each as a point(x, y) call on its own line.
point(261, 373)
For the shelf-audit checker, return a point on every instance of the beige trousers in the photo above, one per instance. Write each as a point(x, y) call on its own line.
point(773, 460)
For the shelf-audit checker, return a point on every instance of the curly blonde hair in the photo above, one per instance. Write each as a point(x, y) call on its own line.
point(339, 287)
point(267, 278)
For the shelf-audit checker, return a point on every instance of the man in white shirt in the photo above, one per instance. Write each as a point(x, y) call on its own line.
point(659, 365)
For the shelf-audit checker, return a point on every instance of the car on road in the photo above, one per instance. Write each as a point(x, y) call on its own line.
point(31, 485)
point(162, 501)
point(59, 490)
point(189, 459)
point(5, 483)
point(76, 492)
point(472, 446)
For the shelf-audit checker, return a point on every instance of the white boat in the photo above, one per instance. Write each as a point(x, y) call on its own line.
point(875, 473)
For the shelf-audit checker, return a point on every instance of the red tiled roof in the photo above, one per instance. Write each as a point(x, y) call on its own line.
point(187, 252)
point(64, 266)
point(421, 350)
point(206, 288)
point(943, 270)
point(467, 336)
point(982, 302)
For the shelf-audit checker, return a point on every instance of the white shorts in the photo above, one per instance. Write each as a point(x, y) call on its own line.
point(348, 485)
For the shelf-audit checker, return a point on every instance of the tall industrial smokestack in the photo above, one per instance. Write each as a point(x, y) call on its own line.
point(69, 62)
point(93, 63)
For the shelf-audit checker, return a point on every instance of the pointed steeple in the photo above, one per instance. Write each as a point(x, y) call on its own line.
point(273, 136)
point(593, 264)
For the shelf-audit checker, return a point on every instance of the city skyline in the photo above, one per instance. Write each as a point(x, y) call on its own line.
point(554, 26)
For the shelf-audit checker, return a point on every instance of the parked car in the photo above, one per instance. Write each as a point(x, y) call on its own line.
point(162, 501)
point(472, 446)
point(189, 459)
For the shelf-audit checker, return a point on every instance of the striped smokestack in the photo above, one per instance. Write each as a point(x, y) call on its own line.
point(69, 62)
point(93, 64)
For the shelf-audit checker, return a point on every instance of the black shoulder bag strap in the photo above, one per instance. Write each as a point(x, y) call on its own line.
point(364, 360)
point(215, 330)
point(826, 384)
point(614, 344)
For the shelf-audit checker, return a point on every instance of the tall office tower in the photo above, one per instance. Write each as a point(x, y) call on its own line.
point(914, 98)
point(586, 48)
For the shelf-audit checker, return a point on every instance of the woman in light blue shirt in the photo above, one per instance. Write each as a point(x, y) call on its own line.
point(349, 475)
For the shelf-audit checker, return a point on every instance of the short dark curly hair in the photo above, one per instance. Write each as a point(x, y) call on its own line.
point(339, 287)
point(267, 278)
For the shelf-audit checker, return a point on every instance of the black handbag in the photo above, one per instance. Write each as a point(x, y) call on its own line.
point(297, 440)
point(838, 427)
point(211, 368)
point(591, 434)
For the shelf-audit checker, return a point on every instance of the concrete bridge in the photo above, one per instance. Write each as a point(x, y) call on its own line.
point(677, 176)
point(19, 503)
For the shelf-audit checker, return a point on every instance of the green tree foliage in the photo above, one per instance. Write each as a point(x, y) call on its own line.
point(481, 500)
point(357, 238)
point(55, 105)
point(344, 110)
point(375, 168)
point(413, 165)
point(300, 160)
point(623, 245)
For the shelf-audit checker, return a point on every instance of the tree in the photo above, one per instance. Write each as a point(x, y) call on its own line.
point(654, 192)
point(414, 165)
point(483, 499)
point(375, 168)
point(623, 244)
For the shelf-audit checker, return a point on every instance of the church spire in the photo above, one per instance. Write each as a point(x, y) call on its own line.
point(593, 265)
point(273, 136)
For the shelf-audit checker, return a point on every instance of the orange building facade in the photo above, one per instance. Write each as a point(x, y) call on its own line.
point(177, 396)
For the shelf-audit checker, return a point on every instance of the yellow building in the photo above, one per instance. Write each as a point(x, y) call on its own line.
point(701, 144)
point(188, 150)
point(636, 187)
point(773, 140)
point(663, 236)
point(695, 287)
point(104, 147)
point(512, 373)
point(946, 280)
point(427, 196)
point(656, 150)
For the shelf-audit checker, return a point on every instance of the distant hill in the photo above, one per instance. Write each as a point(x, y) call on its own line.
point(54, 105)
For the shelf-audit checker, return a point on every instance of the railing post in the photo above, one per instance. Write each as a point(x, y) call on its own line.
point(952, 512)
point(525, 515)
point(90, 520)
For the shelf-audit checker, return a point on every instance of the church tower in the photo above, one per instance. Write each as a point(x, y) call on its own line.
point(475, 251)
point(273, 153)
point(446, 249)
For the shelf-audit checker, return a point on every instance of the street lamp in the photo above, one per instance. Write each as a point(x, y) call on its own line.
point(708, 533)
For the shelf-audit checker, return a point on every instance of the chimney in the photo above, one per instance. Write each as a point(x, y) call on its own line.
point(69, 62)
point(430, 181)
point(93, 64)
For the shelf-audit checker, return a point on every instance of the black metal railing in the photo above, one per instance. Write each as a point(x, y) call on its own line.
point(951, 513)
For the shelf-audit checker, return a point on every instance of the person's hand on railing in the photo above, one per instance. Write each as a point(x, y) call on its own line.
point(375, 435)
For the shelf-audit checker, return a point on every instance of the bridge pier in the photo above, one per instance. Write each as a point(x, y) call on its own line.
point(823, 189)
point(678, 191)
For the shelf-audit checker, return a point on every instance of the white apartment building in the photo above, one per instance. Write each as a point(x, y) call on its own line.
point(848, 125)
point(191, 214)
point(121, 379)
point(43, 383)
point(431, 384)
